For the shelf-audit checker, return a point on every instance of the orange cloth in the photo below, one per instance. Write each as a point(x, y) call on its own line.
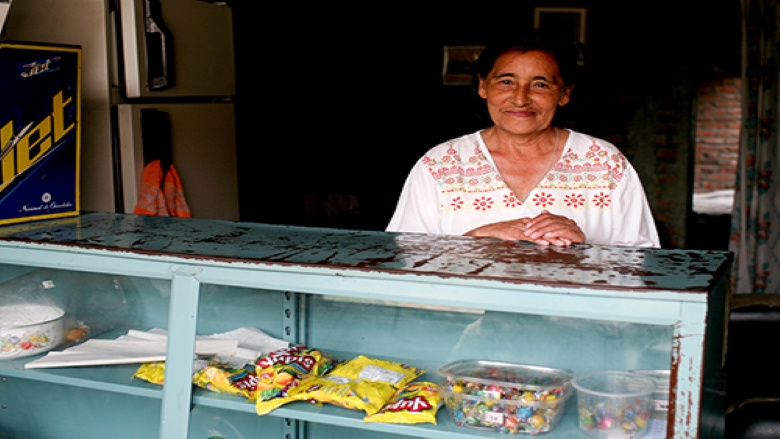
point(161, 195)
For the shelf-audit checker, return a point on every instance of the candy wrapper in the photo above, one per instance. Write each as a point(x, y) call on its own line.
point(212, 376)
point(416, 403)
point(154, 372)
point(388, 372)
point(354, 395)
point(220, 378)
point(151, 372)
point(362, 383)
point(282, 370)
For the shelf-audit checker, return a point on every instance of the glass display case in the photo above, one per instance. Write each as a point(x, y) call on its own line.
point(421, 300)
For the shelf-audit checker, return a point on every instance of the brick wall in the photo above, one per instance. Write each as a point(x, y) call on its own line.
point(718, 123)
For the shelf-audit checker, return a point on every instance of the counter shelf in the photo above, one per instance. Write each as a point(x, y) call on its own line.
point(425, 300)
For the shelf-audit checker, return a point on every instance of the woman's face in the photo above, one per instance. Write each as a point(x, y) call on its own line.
point(523, 91)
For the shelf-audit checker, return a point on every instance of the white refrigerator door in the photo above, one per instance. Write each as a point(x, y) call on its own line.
point(188, 42)
point(203, 151)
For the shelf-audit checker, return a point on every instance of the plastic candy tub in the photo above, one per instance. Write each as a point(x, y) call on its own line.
point(505, 397)
point(614, 404)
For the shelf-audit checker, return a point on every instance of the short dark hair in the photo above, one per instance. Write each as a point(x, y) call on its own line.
point(563, 52)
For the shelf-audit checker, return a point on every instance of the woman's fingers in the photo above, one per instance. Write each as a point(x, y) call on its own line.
point(556, 229)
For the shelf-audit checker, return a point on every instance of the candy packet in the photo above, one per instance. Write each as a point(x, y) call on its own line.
point(414, 404)
point(362, 368)
point(354, 395)
point(282, 370)
point(221, 378)
point(213, 376)
point(152, 372)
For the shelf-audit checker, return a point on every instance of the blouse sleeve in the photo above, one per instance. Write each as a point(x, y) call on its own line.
point(633, 224)
point(417, 210)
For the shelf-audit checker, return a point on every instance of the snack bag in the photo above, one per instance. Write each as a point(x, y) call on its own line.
point(151, 372)
point(355, 395)
point(215, 377)
point(414, 404)
point(223, 379)
point(284, 369)
point(363, 368)
point(297, 393)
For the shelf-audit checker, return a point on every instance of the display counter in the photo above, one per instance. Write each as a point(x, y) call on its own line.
point(423, 300)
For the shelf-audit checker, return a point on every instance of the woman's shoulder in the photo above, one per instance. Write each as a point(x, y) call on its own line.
point(461, 155)
point(464, 142)
point(459, 148)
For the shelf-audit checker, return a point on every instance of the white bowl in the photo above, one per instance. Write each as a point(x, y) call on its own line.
point(29, 329)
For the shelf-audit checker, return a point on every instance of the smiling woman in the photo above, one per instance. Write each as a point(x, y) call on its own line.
point(523, 178)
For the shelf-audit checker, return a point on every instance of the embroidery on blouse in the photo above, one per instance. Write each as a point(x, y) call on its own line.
point(474, 185)
point(453, 174)
point(598, 169)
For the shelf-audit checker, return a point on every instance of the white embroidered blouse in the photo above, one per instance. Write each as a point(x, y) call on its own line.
point(456, 187)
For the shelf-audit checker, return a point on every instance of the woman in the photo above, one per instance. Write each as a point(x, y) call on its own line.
point(523, 178)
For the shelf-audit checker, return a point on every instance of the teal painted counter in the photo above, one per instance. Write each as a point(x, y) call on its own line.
point(422, 299)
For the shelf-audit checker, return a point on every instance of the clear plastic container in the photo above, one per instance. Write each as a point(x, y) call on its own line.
point(660, 411)
point(505, 397)
point(614, 404)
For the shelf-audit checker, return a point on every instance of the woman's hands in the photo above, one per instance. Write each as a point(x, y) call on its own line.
point(544, 229)
point(547, 228)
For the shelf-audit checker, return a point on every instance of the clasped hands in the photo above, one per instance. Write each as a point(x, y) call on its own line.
point(543, 229)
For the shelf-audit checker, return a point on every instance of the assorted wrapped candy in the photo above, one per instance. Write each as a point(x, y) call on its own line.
point(614, 404)
point(629, 419)
point(505, 397)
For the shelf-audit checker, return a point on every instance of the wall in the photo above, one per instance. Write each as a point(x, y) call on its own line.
point(718, 124)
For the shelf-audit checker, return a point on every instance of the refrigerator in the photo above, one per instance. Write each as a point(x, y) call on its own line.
point(158, 81)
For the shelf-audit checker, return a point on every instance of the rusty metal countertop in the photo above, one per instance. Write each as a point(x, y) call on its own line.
point(580, 265)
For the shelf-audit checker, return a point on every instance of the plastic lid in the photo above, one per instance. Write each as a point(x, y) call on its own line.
point(12, 316)
point(530, 377)
point(614, 383)
point(660, 376)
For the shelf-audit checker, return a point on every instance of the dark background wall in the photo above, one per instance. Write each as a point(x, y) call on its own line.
point(335, 104)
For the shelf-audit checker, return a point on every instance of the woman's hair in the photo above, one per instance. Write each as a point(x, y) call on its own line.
point(563, 52)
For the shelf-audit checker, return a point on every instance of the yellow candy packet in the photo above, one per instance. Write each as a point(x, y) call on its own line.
point(215, 377)
point(265, 406)
point(354, 395)
point(414, 404)
point(223, 379)
point(362, 368)
point(282, 370)
point(152, 372)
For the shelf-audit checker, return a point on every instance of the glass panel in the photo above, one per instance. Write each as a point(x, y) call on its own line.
point(83, 306)
point(224, 308)
point(430, 336)
point(36, 409)
point(212, 423)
